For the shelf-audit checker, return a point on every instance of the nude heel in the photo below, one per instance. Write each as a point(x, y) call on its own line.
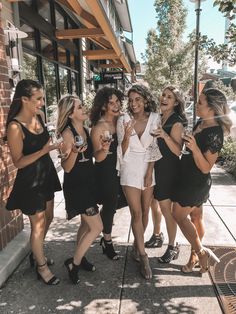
point(204, 257)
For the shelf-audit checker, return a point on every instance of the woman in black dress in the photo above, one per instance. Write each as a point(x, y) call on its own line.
point(36, 179)
point(204, 145)
point(104, 114)
point(79, 184)
point(169, 138)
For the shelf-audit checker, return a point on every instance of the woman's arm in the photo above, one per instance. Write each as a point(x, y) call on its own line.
point(70, 151)
point(174, 140)
point(100, 149)
point(204, 161)
point(15, 143)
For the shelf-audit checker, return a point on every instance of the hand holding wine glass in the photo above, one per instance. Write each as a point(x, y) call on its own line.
point(81, 145)
point(186, 132)
point(106, 139)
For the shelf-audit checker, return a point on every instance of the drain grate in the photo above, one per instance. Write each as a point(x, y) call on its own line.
point(223, 275)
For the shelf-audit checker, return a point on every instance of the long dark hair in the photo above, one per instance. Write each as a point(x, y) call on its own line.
point(143, 91)
point(101, 101)
point(23, 88)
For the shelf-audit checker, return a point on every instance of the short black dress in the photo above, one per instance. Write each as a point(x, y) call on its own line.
point(107, 180)
point(36, 183)
point(79, 183)
point(166, 168)
point(193, 186)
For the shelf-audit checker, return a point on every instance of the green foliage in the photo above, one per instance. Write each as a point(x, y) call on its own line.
point(227, 51)
point(227, 156)
point(227, 90)
point(169, 60)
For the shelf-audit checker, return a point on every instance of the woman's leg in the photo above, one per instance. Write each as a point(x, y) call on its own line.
point(38, 223)
point(166, 209)
point(94, 227)
point(133, 197)
point(83, 229)
point(146, 198)
point(49, 215)
point(180, 215)
point(156, 216)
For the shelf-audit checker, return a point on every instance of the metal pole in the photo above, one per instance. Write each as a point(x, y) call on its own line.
point(195, 91)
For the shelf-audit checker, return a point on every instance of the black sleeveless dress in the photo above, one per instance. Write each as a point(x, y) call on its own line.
point(107, 180)
point(36, 183)
point(166, 168)
point(193, 186)
point(79, 183)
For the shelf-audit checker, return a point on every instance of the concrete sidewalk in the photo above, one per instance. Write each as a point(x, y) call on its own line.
point(116, 286)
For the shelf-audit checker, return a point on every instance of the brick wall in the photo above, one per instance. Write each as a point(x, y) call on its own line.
point(11, 223)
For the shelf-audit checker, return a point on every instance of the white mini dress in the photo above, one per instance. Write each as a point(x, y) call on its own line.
point(132, 166)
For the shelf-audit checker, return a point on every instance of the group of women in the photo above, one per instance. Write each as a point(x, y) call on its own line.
point(139, 150)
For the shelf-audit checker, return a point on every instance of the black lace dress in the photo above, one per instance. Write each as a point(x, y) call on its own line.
point(79, 183)
point(192, 187)
point(166, 168)
point(36, 183)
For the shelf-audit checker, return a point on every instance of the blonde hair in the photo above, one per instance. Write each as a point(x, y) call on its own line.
point(66, 107)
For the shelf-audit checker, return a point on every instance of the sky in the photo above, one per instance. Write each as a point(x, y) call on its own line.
point(143, 18)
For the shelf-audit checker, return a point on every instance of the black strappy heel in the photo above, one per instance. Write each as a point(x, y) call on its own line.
point(108, 249)
point(86, 265)
point(52, 282)
point(73, 271)
point(32, 262)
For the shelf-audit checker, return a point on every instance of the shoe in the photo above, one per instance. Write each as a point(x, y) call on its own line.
point(193, 262)
point(73, 270)
point(108, 249)
point(204, 256)
point(32, 262)
point(51, 282)
point(155, 241)
point(86, 265)
point(145, 268)
point(170, 254)
point(135, 253)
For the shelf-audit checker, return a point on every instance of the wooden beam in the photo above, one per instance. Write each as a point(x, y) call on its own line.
point(111, 65)
point(79, 33)
point(99, 54)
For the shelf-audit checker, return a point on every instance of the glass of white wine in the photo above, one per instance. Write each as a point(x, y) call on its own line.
point(81, 143)
point(107, 138)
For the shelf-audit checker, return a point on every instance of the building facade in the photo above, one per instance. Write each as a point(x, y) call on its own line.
point(68, 46)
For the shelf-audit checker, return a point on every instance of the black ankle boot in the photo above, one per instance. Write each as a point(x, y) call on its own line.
point(108, 249)
point(170, 254)
point(86, 265)
point(72, 270)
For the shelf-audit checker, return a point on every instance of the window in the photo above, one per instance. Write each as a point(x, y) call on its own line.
point(64, 81)
point(47, 48)
point(30, 66)
point(28, 42)
point(44, 9)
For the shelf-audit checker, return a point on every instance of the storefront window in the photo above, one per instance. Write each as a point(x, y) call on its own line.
point(44, 9)
point(28, 42)
point(50, 90)
point(64, 81)
point(73, 81)
point(47, 48)
point(60, 24)
point(62, 58)
point(30, 66)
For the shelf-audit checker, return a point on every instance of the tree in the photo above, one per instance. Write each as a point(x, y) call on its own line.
point(169, 60)
point(226, 52)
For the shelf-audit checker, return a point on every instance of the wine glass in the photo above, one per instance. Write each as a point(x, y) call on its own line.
point(81, 143)
point(187, 131)
point(107, 138)
point(153, 149)
point(56, 139)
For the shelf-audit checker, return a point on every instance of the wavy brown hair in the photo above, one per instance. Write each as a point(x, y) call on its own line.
point(143, 91)
point(101, 101)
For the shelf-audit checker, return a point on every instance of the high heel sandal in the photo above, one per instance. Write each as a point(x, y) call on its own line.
point(145, 268)
point(108, 249)
point(155, 241)
point(192, 262)
point(32, 262)
point(73, 271)
point(204, 257)
point(170, 254)
point(51, 282)
point(86, 265)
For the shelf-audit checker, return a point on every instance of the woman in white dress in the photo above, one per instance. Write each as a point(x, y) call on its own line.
point(136, 148)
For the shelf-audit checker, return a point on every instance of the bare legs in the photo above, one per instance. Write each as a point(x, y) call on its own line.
point(139, 203)
point(38, 225)
point(166, 209)
point(156, 216)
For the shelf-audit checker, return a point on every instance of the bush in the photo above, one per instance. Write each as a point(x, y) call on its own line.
point(227, 157)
